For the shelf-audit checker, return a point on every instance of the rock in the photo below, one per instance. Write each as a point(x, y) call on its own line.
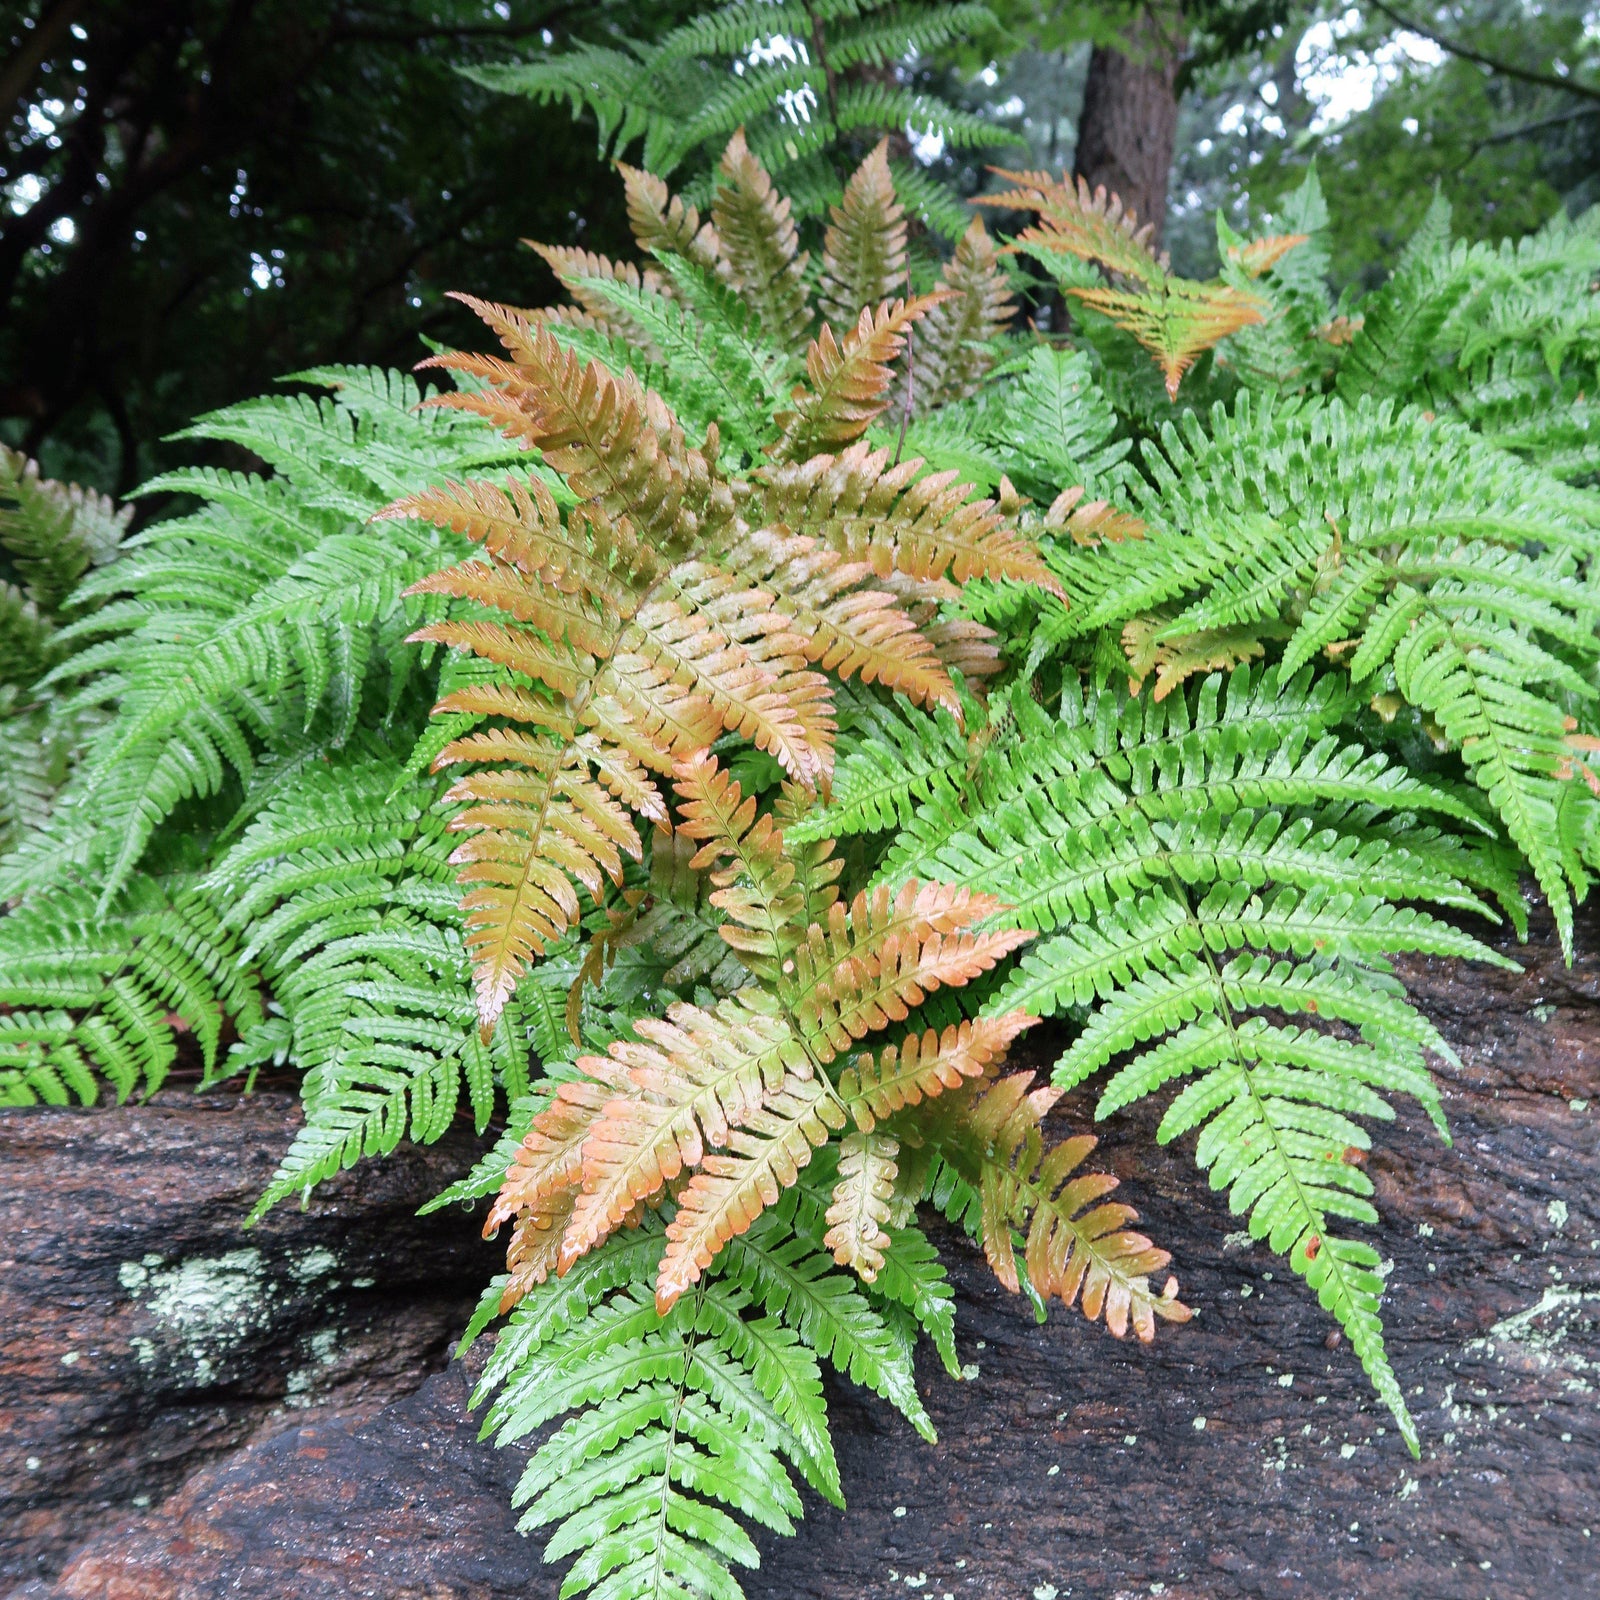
point(146, 1331)
point(1242, 1455)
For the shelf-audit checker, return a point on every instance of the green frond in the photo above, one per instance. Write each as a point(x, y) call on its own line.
point(105, 994)
point(1462, 574)
point(784, 1266)
point(677, 1424)
point(271, 599)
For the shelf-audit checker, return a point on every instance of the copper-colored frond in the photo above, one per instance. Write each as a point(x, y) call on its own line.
point(925, 1065)
point(847, 381)
point(520, 524)
point(953, 343)
point(533, 828)
point(755, 880)
point(1090, 225)
point(1179, 657)
point(665, 224)
point(858, 1219)
point(732, 1188)
point(567, 616)
point(550, 1157)
point(535, 1248)
point(1261, 255)
point(1179, 322)
point(864, 249)
point(760, 245)
point(857, 632)
point(1090, 522)
point(579, 272)
point(618, 445)
point(750, 669)
point(872, 964)
point(696, 1076)
point(872, 511)
point(995, 1139)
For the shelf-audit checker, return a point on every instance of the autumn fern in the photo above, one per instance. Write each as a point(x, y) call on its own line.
point(706, 1153)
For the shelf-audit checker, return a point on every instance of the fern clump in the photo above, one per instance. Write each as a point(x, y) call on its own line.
point(267, 623)
point(701, 741)
point(1502, 337)
point(681, 599)
point(1201, 866)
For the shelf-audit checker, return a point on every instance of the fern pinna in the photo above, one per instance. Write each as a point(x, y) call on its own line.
point(693, 1152)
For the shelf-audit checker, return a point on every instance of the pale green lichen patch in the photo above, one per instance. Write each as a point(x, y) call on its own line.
point(207, 1307)
point(1539, 1338)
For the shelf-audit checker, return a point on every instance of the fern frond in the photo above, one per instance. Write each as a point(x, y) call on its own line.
point(859, 1215)
point(848, 380)
point(54, 532)
point(927, 1065)
point(664, 223)
point(1091, 225)
point(755, 227)
point(864, 249)
point(695, 1076)
point(674, 1417)
point(995, 1141)
point(877, 960)
point(955, 340)
point(106, 995)
point(730, 1190)
point(1177, 322)
point(1462, 576)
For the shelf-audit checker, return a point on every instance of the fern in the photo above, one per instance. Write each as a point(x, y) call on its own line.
point(1426, 563)
point(341, 886)
point(1195, 866)
point(1175, 319)
point(1480, 331)
point(688, 604)
point(722, 1120)
point(802, 81)
point(1174, 725)
point(50, 534)
point(93, 992)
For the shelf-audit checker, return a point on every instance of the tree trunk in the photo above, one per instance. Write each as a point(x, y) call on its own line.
point(1129, 121)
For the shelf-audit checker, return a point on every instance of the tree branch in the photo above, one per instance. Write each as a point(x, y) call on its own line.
point(1507, 69)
